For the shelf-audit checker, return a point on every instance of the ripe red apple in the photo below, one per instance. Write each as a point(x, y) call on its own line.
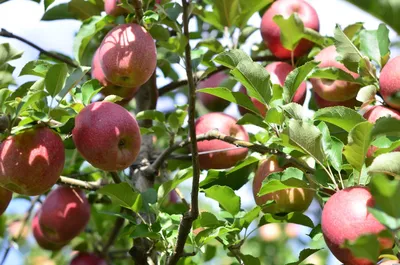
point(271, 32)
point(345, 216)
point(333, 90)
point(31, 162)
point(84, 258)
point(5, 198)
point(322, 103)
point(226, 125)
point(389, 82)
point(109, 88)
point(278, 72)
point(288, 200)
point(41, 239)
point(111, 7)
point(107, 136)
point(64, 215)
point(212, 102)
point(128, 55)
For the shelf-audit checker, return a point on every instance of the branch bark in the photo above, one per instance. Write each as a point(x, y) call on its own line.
point(138, 5)
point(86, 185)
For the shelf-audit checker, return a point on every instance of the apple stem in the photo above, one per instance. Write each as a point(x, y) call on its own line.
point(138, 5)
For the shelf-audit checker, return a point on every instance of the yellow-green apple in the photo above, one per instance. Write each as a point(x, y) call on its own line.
point(287, 200)
point(322, 103)
point(376, 112)
point(5, 198)
point(109, 88)
point(31, 162)
point(111, 7)
point(345, 216)
point(84, 258)
point(107, 136)
point(333, 90)
point(271, 32)
point(278, 72)
point(64, 214)
point(128, 55)
point(210, 154)
point(270, 232)
point(212, 102)
point(41, 239)
point(389, 82)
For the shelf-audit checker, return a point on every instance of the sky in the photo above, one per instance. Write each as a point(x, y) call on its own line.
point(22, 17)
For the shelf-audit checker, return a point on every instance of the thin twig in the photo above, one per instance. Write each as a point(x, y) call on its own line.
point(7, 34)
point(188, 218)
point(115, 177)
point(86, 185)
point(138, 5)
point(119, 223)
point(231, 249)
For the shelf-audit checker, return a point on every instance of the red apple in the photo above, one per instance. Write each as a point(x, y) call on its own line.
point(111, 7)
point(109, 88)
point(389, 82)
point(345, 216)
point(270, 232)
point(288, 200)
point(128, 55)
point(322, 103)
point(271, 32)
point(226, 125)
point(278, 72)
point(64, 215)
point(5, 198)
point(41, 239)
point(31, 162)
point(212, 102)
point(107, 136)
point(84, 258)
point(333, 90)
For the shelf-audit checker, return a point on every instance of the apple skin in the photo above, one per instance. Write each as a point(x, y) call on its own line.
point(373, 114)
point(286, 201)
point(225, 125)
point(345, 216)
point(64, 214)
point(128, 55)
point(211, 102)
point(41, 239)
point(271, 32)
point(278, 72)
point(111, 7)
point(31, 162)
point(84, 258)
point(109, 88)
point(389, 81)
point(322, 103)
point(333, 90)
point(5, 198)
point(107, 136)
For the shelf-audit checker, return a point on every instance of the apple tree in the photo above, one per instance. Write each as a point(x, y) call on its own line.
point(111, 179)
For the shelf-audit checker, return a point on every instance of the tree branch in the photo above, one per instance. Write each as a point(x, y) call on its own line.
point(86, 185)
point(138, 5)
point(7, 34)
point(119, 223)
point(115, 177)
point(188, 218)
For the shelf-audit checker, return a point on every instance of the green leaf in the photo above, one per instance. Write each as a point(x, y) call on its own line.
point(358, 143)
point(8, 53)
point(386, 164)
point(232, 58)
point(340, 116)
point(295, 78)
point(250, 260)
point(207, 219)
point(55, 78)
point(123, 195)
point(151, 115)
point(36, 68)
point(332, 73)
point(351, 56)
point(226, 197)
point(252, 119)
point(177, 118)
point(333, 147)
point(170, 185)
point(293, 110)
point(304, 254)
point(60, 11)
point(73, 80)
point(292, 30)
point(247, 8)
point(365, 246)
point(89, 90)
point(249, 217)
point(375, 44)
point(83, 9)
point(293, 217)
point(47, 3)
point(386, 126)
point(367, 93)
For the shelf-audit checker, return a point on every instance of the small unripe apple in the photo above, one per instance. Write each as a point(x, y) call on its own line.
point(333, 90)
point(109, 88)
point(5, 198)
point(287, 200)
point(345, 216)
point(31, 162)
point(278, 72)
point(389, 82)
point(128, 55)
point(322, 103)
point(211, 102)
point(107, 136)
point(64, 214)
point(271, 32)
point(225, 125)
point(41, 239)
point(84, 258)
